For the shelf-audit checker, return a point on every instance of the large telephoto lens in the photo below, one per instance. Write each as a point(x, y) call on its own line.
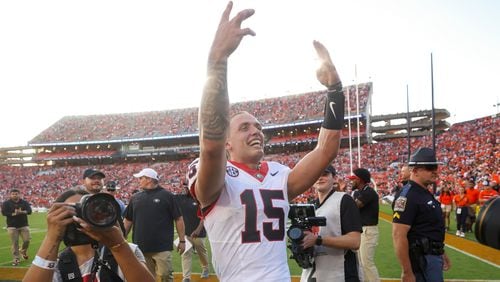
point(487, 228)
point(100, 210)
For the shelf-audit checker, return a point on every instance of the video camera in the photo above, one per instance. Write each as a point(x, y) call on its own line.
point(100, 210)
point(303, 218)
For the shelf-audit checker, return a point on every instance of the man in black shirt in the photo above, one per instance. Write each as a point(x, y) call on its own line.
point(367, 201)
point(195, 234)
point(152, 214)
point(335, 243)
point(16, 211)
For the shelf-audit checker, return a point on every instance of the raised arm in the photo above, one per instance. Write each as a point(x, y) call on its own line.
point(305, 173)
point(214, 108)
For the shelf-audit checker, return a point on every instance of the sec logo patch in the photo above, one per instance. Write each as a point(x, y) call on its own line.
point(232, 171)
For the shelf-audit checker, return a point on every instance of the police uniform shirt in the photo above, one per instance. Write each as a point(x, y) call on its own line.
point(416, 206)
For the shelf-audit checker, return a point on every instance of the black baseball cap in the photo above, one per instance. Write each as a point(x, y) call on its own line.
point(91, 172)
point(362, 174)
point(110, 185)
point(331, 169)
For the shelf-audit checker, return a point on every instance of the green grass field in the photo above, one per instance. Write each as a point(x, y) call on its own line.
point(463, 266)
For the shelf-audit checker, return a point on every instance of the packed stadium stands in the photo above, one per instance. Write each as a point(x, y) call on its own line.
point(121, 144)
point(469, 149)
point(301, 107)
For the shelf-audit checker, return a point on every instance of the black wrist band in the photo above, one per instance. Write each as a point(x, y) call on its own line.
point(337, 87)
point(319, 241)
point(334, 108)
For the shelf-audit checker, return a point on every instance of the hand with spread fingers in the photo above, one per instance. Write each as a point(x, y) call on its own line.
point(229, 33)
point(326, 73)
point(58, 217)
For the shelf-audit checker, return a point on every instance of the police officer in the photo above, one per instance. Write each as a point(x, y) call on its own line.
point(418, 227)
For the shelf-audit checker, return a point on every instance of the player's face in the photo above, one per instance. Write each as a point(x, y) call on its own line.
point(94, 184)
point(324, 182)
point(245, 142)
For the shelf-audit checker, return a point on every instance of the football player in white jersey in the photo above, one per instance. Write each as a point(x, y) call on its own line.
point(244, 200)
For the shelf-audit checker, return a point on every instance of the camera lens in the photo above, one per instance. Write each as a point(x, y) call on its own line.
point(487, 228)
point(295, 233)
point(100, 210)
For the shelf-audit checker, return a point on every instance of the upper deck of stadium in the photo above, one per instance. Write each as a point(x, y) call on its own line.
point(127, 126)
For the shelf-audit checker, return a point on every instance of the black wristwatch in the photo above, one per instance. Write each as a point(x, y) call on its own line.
point(319, 240)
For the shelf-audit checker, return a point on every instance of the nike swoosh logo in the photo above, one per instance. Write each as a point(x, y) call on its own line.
point(331, 108)
point(274, 173)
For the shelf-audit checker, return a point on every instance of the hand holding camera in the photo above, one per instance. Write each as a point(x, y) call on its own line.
point(59, 217)
point(303, 218)
point(109, 236)
point(94, 215)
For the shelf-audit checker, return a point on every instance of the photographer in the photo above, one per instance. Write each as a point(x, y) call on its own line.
point(47, 264)
point(335, 259)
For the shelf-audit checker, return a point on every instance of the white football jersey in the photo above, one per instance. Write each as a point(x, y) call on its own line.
point(246, 225)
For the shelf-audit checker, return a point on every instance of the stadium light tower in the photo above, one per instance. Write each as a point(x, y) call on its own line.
point(408, 120)
point(433, 111)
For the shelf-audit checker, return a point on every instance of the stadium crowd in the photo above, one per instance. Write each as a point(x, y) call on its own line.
point(470, 151)
point(183, 121)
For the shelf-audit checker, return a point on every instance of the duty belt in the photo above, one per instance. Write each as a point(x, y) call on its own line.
point(425, 246)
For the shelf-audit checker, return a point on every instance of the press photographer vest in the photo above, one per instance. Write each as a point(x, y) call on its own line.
point(70, 270)
point(330, 262)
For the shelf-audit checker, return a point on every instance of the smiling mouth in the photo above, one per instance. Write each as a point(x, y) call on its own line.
point(255, 143)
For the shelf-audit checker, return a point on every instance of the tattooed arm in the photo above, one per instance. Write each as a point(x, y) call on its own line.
point(214, 108)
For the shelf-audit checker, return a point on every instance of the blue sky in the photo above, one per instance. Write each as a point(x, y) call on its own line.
point(62, 58)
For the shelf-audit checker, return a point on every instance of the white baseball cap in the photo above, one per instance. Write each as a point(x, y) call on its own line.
point(148, 172)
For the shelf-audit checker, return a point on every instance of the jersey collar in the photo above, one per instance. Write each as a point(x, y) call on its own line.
point(258, 174)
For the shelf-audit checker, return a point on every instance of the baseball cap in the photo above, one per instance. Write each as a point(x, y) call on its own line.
point(362, 174)
point(148, 172)
point(111, 186)
point(331, 169)
point(91, 172)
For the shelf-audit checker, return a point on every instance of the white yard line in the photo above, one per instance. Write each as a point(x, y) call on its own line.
point(461, 251)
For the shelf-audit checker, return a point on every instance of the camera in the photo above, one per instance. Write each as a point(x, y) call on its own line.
point(302, 218)
point(100, 210)
point(487, 228)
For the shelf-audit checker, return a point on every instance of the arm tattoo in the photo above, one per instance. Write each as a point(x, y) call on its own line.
point(52, 249)
point(214, 109)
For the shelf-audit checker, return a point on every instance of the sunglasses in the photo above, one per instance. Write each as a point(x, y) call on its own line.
point(430, 167)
